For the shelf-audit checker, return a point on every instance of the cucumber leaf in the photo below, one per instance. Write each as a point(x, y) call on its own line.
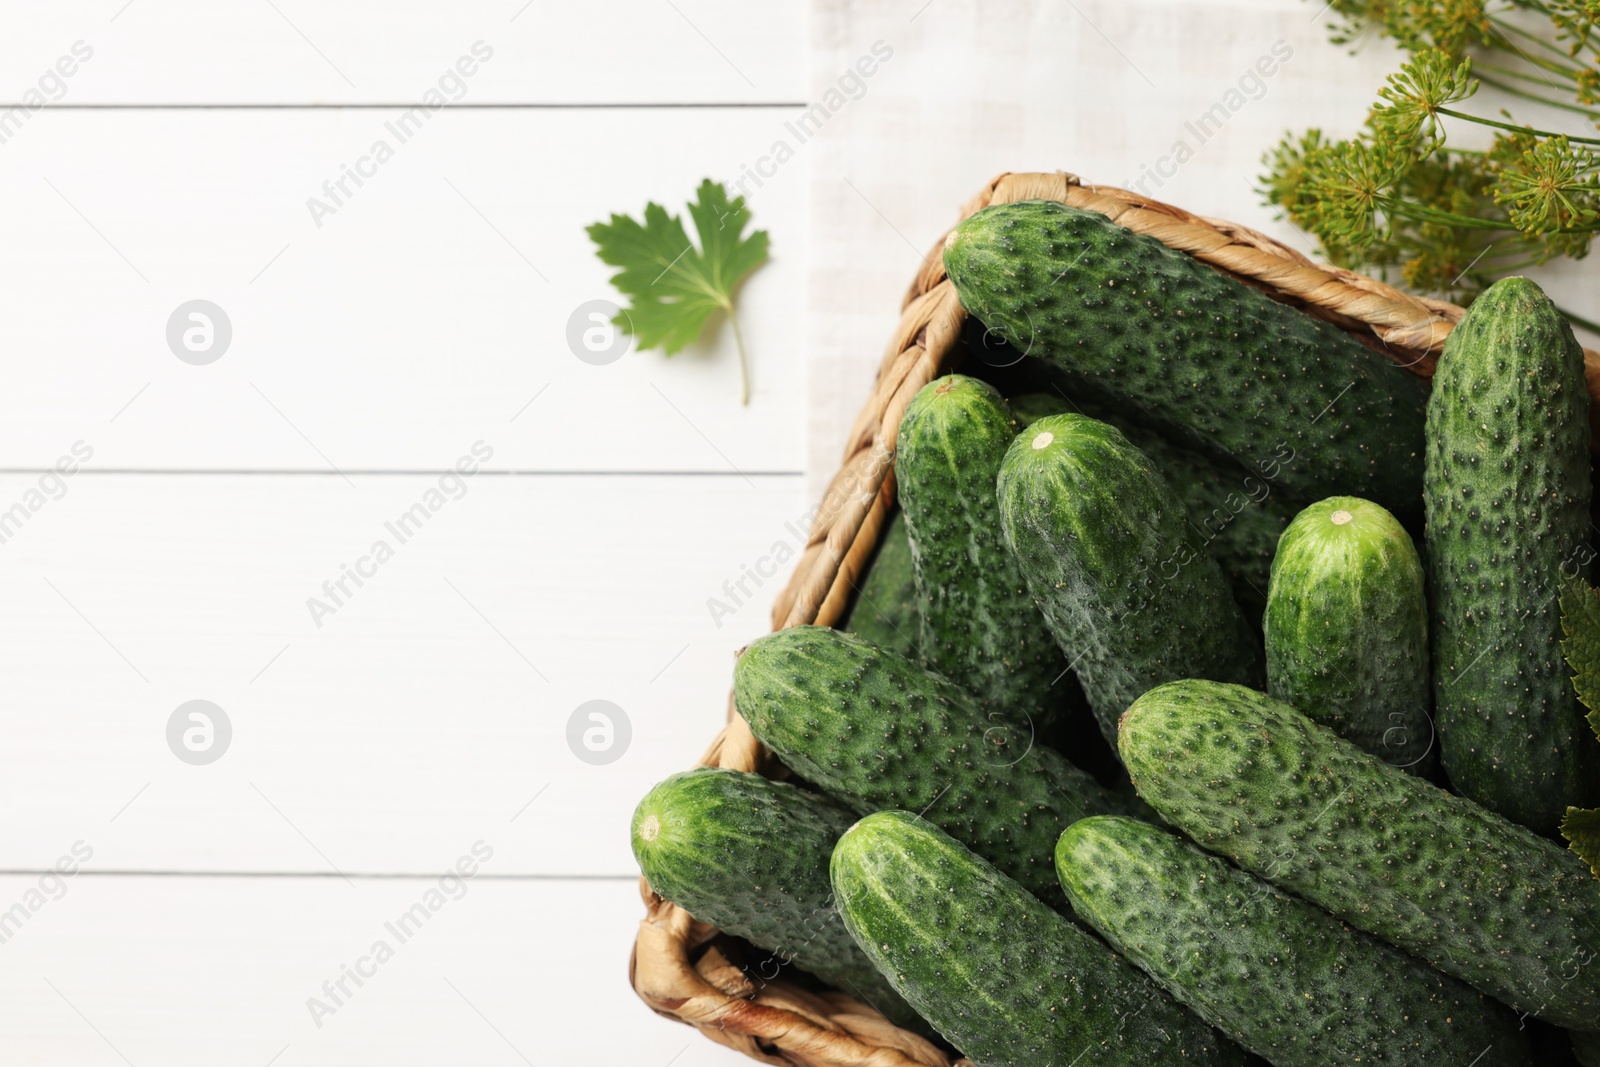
point(1581, 828)
point(1580, 623)
point(674, 287)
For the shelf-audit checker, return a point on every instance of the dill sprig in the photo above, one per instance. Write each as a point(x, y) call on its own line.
point(1399, 198)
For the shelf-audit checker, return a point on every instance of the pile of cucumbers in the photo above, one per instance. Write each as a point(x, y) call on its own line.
point(1205, 700)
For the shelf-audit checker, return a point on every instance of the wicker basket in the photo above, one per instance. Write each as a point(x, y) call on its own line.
point(687, 970)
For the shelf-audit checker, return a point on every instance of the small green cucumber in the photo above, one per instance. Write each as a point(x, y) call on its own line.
point(1507, 492)
point(1346, 629)
point(750, 857)
point(885, 610)
point(875, 731)
point(979, 626)
point(1004, 978)
point(1238, 514)
point(1114, 566)
point(1492, 903)
point(1193, 351)
point(1285, 980)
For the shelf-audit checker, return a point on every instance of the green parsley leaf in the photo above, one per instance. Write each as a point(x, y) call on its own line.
point(1581, 828)
point(1580, 644)
point(674, 287)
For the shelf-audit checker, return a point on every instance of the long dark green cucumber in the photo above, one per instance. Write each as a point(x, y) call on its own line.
point(1114, 566)
point(1479, 897)
point(876, 731)
point(1007, 980)
point(1238, 514)
point(1284, 979)
point(1508, 491)
point(980, 628)
point(1029, 408)
point(885, 610)
point(1346, 629)
point(750, 857)
point(1193, 351)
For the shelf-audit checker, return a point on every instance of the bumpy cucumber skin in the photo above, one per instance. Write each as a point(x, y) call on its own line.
point(1479, 897)
point(876, 731)
point(1346, 629)
point(750, 857)
point(979, 626)
point(1194, 351)
point(1284, 979)
point(1113, 564)
point(1507, 492)
point(1238, 514)
point(1003, 977)
point(885, 611)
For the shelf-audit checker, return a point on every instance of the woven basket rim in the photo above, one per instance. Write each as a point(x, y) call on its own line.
point(680, 967)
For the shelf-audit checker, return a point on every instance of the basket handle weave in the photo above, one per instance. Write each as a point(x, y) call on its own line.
point(672, 969)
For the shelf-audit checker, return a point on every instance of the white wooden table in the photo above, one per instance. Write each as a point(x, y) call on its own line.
point(419, 719)
point(423, 319)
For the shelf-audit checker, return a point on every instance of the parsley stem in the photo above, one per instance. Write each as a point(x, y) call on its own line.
point(744, 362)
point(1513, 128)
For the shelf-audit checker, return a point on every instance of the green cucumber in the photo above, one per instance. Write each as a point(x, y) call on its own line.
point(750, 857)
point(1284, 979)
point(1115, 567)
point(1029, 408)
point(1347, 629)
point(1236, 513)
point(1483, 899)
point(979, 626)
point(1193, 351)
point(1004, 978)
point(1507, 493)
point(875, 731)
point(885, 610)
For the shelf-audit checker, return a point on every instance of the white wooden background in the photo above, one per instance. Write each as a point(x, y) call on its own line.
point(427, 315)
point(429, 713)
